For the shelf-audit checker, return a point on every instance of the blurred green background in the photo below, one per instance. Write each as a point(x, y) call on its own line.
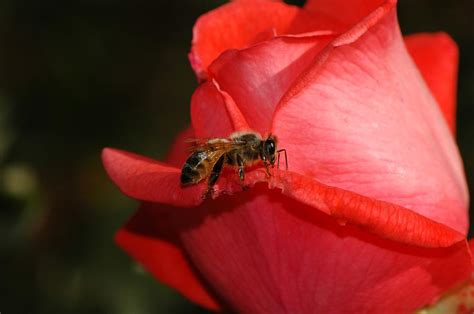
point(80, 75)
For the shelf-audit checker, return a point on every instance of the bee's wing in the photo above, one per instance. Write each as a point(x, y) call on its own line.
point(213, 144)
point(196, 140)
point(213, 156)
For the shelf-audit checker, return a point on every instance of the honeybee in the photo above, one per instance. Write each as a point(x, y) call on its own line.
point(241, 149)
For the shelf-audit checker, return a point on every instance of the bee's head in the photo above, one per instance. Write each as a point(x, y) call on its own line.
point(269, 149)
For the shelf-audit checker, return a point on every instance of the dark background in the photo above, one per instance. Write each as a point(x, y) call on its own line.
point(80, 75)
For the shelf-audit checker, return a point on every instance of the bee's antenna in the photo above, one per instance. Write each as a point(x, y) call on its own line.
point(286, 159)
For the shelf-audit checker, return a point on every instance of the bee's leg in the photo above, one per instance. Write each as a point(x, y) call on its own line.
point(216, 171)
point(286, 158)
point(241, 168)
point(241, 171)
point(267, 168)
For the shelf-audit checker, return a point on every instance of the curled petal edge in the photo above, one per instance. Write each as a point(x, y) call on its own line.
point(153, 181)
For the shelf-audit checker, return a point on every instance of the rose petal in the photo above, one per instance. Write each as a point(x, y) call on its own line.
point(148, 238)
point(214, 113)
point(265, 253)
point(149, 180)
point(240, 24)
point(344, 14)
point(384, 219)
point(257, 77)
point(436, 56)
point(152, 181)
point(372, 127)
point(236, 25)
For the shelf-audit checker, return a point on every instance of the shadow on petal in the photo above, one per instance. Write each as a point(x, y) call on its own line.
point(150, 239)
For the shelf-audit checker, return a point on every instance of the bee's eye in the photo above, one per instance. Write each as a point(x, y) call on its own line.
point(271, 147)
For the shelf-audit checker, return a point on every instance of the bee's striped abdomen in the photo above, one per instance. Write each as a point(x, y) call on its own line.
point(194, 169)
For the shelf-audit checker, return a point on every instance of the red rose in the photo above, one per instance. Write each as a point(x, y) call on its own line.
point(371, 216)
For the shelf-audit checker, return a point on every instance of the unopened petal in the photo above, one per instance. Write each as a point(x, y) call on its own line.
point(371, 126)
point(436, 55)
